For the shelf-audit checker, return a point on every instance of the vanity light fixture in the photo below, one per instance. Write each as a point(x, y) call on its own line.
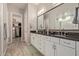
point(65, 13)
point(56, 4)
point(60, 19)
point(65, 17)
point(41, 11)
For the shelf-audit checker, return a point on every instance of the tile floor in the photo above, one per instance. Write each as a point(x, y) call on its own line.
point(18, 48)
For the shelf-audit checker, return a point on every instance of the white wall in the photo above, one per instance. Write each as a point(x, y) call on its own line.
point(26, 25)
point(3, 20)
point(15, 9)
point(46, 6)
point(30, 19)
point(32, 16)
point(1, 29)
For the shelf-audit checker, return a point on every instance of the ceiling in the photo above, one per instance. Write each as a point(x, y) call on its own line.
point(44, 6)
point(39, 5)
point(17, 5)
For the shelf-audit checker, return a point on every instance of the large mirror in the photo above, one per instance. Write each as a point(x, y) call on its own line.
point(41, 22)
point(62, 17)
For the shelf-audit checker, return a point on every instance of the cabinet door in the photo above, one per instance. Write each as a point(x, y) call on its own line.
point(62, 50)
point(52, 50)
point(38, 42)
point(42, 44)
point(47, 46)
point(32, 39)
point(77, 49)
point(35, 40)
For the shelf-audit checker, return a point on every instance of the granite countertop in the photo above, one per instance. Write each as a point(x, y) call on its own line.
point(60, 36)
point(65, 37)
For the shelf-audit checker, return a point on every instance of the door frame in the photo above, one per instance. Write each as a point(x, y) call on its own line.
point(19, 14)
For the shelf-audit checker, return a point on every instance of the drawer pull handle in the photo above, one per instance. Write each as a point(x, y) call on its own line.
point(66, 43)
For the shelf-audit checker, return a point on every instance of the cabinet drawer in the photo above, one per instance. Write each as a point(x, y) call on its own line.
point(32, 34)
point(68, 43)
point(56, 40)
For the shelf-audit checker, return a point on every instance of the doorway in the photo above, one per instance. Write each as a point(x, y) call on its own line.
point(16, 27)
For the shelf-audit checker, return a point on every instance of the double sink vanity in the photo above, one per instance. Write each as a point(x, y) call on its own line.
point(56, 44)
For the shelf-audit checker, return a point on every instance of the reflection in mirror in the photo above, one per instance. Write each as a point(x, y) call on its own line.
point(41, 22)
point(66, 17)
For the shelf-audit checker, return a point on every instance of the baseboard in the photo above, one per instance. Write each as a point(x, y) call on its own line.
point(37, 50)
point(5, 51)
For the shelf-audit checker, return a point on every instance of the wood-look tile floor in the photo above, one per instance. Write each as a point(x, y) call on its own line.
point(18, 48)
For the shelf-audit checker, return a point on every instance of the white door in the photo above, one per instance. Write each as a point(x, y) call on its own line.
point(5, 27)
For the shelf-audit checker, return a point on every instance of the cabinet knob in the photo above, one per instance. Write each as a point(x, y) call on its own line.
point(54, 47)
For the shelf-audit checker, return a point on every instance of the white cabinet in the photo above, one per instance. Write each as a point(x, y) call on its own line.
point(47, 46)
point(38, 42)
point(66, 48)
point(42, 44)
point(52, 49)
point(65, 51)
point(32, 39)
point(52, 46)
point(68, 43)
point(54, 42)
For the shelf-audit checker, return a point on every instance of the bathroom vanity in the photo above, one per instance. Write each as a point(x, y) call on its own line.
point(55, 45)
